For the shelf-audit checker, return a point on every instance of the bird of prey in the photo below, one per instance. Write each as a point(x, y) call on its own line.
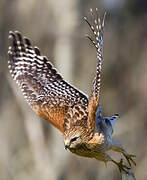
point(77, 116)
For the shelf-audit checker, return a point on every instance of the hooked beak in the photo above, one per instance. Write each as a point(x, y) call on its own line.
point(66, 144)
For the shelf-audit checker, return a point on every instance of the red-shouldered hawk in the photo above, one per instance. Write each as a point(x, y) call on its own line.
point(77, 116)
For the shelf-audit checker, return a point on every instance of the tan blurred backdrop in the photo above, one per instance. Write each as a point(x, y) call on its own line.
point(30, 148)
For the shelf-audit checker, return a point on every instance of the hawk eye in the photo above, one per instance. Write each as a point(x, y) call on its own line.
point(73, 139)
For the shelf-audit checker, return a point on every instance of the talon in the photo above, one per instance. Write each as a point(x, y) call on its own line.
point(121, 166)
point(129, 158)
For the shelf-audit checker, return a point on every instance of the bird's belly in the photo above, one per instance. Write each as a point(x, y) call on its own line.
point(83, 150)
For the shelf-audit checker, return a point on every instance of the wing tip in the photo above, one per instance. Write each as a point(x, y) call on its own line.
point(15, 35)
point(37, 51)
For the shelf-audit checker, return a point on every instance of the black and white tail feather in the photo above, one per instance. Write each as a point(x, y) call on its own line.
point(105, 124)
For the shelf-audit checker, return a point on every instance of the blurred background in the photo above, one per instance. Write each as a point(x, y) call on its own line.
point(32, 149)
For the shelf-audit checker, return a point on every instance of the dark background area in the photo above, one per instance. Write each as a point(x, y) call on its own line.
point(30, 148)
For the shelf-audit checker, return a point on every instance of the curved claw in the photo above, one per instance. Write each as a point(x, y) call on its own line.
point(129, 158)
point(121, 166)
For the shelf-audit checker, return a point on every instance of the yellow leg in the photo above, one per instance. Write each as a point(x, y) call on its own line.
point(106, 158)
point(121, 166)
point(129, 157)
point(116, 146)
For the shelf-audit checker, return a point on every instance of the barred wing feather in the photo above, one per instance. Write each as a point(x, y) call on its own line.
point(49, 95)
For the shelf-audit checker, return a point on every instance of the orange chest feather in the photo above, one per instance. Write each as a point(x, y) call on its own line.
point(97, 139)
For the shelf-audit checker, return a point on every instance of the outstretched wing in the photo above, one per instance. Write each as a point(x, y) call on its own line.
point(96, 26)
point(49, 95)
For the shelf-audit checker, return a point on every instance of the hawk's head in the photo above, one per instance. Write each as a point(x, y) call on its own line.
point(75, 137)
